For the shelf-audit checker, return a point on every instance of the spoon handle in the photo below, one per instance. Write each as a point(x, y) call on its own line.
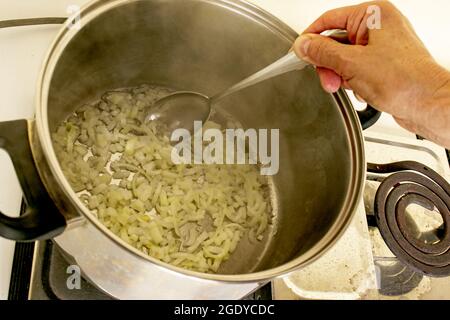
point(289, 62)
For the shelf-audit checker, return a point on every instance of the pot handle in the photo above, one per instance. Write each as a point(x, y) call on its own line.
point(41, 220)
point(31, 22)
point(368, 117)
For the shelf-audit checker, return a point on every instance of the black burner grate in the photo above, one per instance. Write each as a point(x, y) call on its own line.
point(21, 269)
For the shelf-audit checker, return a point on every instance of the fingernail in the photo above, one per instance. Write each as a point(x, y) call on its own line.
point(302, 44)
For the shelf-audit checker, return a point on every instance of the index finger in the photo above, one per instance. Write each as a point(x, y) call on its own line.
point(334, 19)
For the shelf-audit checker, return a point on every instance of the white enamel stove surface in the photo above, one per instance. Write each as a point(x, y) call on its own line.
point(350, 269)
point(22, 51)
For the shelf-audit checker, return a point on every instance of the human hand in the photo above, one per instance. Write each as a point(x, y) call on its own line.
point(388, 67)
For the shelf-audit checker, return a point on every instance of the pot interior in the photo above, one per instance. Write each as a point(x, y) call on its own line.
point(206, 46)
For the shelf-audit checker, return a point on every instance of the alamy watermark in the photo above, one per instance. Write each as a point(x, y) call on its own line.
point(73, 281)
point(234, 146)
point(374, 17)
point(74, 19)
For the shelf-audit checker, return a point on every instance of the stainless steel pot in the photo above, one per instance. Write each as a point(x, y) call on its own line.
point(204, 46)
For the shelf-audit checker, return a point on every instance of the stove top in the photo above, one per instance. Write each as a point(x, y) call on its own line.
point(26, 48)
point(361, 265)
point(49, 272)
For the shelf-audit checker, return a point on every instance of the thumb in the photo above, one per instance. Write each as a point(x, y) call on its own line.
point(325, 52)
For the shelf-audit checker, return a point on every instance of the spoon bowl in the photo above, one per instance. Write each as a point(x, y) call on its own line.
point(179, 110)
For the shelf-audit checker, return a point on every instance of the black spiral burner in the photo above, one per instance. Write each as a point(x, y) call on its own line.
point(413, 183)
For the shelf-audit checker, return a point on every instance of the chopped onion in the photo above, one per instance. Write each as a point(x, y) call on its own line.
point(192, 216)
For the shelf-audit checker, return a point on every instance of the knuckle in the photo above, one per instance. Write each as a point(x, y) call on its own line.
point(385, 4)
point(349, 62)
point(342, 61)
point(388, 9)
point(324, 19)
point(346, 68)
point(318, 49)
point(380, 3)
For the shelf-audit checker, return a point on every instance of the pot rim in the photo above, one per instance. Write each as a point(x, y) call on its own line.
point(354, 136)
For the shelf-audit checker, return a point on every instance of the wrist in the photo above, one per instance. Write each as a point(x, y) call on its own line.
point(433, 82)
point(433, 116)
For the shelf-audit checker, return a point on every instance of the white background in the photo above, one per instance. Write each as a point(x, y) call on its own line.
point(22, 51)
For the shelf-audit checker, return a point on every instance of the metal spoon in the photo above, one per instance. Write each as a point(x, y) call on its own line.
point(181, 109)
